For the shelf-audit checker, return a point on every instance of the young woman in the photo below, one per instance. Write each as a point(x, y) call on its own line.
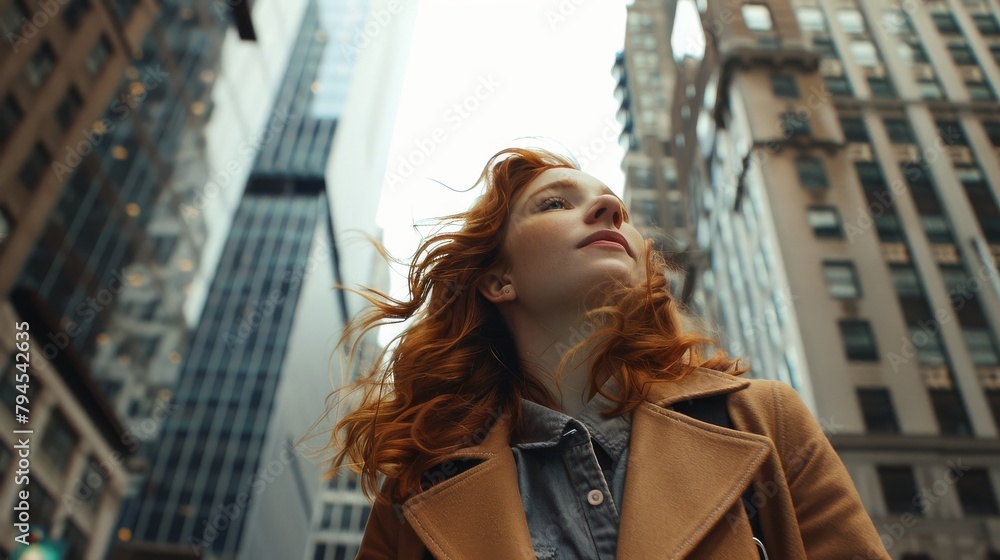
point(529, 409)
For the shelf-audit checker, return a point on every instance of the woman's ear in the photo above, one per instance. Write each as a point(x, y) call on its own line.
point(496, 288)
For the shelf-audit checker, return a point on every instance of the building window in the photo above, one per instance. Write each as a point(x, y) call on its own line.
point(825, 48)
point(945, 22)
point(838, 85)
point(881, 87)
point(34, 167)
point(68, 107)
point(950, 412)
point(899, 488)
point(145, 348)
point(864, 53)
point(326, 520)
point(870, 175)
point(927, 344)
point(40, 65)
point(975, 492)
point(10, 116)
point(811, 172)
point(877, 409)
point(929, 90)
point(352, 480)
point(757, 17)
point(669, 174)
point(320, 552)
point(646, 211)
point(784, 85)
point(907, 52)
point(74, 12)
point(43, 505)
point(992, 129)
point(993, 397)
point(90, 487)
point(345, 517)
point(955, 279)
point(936, 227)
point(896, 21)
point(98, 55)
point(58, 440)
point(995, 51)
point(859, 340)
point(899, 131)
point(979, 91)
point(851, 20)
point(640, 177)
point(854, 129)
point(962, 54)
point(981, 348)
point(986, 24)
point(913, 53)
point(163, 247)
point(951, 134)
point(795, 124)
point(825, 221)
point(841, 280)
point(811, 19)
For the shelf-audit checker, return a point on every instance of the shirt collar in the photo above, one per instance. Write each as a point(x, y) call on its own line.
point(544, 427)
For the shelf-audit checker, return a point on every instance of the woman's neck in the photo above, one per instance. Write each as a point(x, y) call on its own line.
point(542, 346)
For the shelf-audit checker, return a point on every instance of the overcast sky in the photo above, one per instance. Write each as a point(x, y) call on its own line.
point(483, 74)
point(486, 75)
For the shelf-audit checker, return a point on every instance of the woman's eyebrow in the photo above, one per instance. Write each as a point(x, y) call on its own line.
point(560, 184)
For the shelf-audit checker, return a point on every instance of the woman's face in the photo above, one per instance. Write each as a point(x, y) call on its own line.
point(553, 259)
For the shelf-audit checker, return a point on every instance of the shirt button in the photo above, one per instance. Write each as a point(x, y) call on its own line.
point(595, 497)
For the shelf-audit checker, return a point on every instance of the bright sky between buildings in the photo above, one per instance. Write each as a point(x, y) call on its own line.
point(482, 75)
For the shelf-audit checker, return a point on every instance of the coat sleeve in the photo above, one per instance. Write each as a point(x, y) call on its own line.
point(831, 517)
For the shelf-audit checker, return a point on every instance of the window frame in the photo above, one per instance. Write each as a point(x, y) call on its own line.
point(833, 232)
point(857, 354)
point(752, 23)
point(837, 286)
point(811, 172)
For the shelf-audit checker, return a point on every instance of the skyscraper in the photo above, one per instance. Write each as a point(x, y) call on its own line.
point(841, 168)
point(225, 481)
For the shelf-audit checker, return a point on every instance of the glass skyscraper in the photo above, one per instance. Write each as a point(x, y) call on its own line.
point(212, 462)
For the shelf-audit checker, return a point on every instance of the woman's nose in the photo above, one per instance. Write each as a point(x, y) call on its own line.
point(609, 208)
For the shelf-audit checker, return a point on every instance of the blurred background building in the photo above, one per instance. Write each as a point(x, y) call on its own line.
point(226, 480)
point(73, 76)
point(168, 210)
point(840, 168)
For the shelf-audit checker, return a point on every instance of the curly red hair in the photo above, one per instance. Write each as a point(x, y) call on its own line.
point(455, 369)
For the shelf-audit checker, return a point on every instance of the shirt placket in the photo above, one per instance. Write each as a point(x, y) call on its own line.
point(591, 488)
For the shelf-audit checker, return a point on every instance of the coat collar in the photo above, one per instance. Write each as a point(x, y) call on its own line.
point(479, 513)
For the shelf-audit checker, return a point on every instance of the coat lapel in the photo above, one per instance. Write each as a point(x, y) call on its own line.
point(683, 476)
point(478, 513)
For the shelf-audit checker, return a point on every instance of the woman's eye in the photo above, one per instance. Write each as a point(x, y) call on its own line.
point(547, 204)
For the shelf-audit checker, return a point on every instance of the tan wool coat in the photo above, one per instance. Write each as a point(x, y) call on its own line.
point(683, 486)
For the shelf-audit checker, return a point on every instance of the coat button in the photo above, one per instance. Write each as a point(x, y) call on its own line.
point(595, 497)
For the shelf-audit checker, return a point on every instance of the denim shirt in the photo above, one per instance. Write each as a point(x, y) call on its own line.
point(571, 476)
